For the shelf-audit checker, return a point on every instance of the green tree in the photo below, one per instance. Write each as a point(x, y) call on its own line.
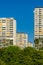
point(2, 62)
point(13, 55)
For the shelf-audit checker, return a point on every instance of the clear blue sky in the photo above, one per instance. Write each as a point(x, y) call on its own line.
point(22, 11)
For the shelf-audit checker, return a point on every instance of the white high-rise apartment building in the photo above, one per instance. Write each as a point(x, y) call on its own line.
point(7, 32)
point(38, 25)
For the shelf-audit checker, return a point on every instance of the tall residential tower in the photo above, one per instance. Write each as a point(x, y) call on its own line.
point(7, 32)
point(38, 27)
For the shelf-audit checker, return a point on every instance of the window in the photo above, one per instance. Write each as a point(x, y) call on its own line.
point(39, 12)
point(42, 41)
point(11, 20)
point(40, 27)
point(11, 29)
point(3, 21)
point(10, 26)
point(39, 31)
point(3, 27)
point(39, 19)
point(11, 42)
point(36, 35)
point(35, 31)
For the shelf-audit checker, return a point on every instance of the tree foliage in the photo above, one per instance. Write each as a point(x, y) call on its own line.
point(13, 55)
point(2, 62)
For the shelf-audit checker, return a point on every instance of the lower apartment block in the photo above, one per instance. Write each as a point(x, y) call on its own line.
point(22, 40)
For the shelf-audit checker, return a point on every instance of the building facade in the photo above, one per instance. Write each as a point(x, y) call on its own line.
point(38, 27)
point(30, 44)
point(22, 40)
point(7, 32)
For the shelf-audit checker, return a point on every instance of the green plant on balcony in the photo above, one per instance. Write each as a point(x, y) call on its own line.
point(36, 41)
